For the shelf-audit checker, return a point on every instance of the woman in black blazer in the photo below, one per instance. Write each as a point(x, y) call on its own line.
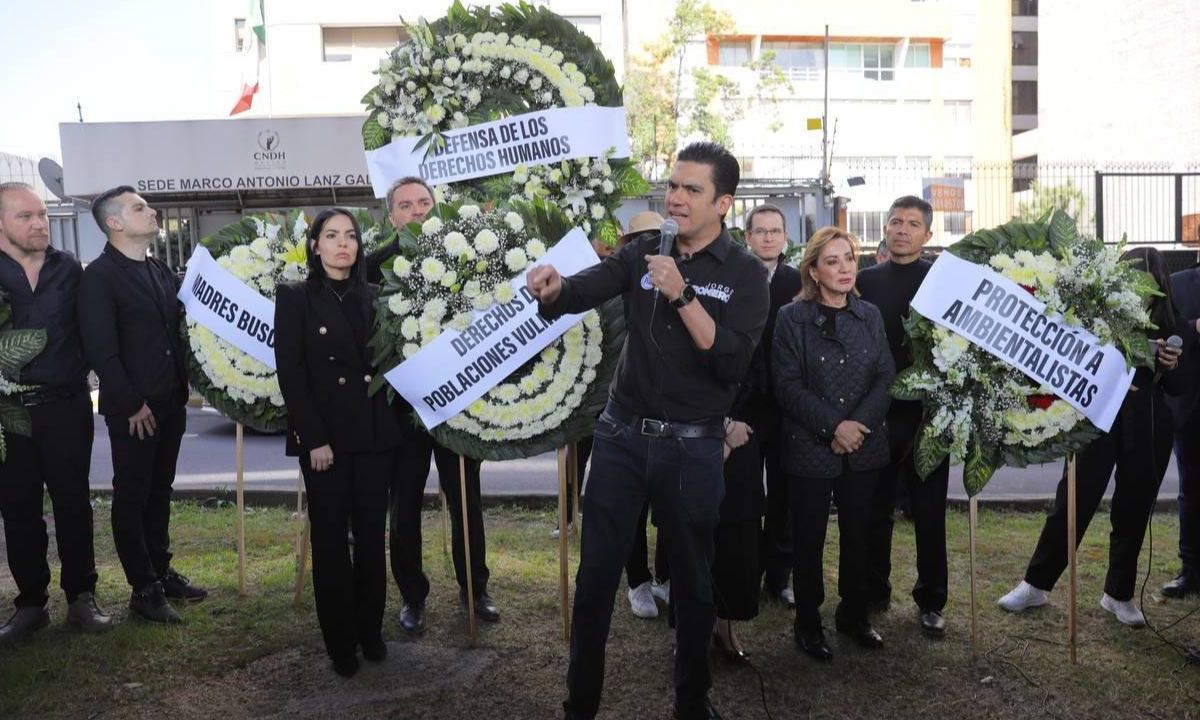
point(345, 439)
point(832, 369)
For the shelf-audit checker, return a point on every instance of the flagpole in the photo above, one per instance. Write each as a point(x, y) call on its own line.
point(267, 59)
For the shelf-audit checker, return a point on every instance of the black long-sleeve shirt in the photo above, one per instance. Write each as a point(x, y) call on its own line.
point(129, 322)
point(891, 288)
point(661, 373)
point(50, 306)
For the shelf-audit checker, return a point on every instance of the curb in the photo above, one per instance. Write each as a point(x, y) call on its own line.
point(284, 498)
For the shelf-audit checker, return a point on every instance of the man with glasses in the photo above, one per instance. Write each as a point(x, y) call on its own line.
point(766, 234)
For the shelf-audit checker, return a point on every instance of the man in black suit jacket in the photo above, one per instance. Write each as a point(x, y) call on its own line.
point(766, 234)
point(129, 323)
point(409, 200)
point(1185, 293)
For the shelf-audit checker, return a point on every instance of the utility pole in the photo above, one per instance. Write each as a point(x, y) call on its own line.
point(825, 185)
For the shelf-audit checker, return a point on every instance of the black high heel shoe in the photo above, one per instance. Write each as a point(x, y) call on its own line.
point(727, 650)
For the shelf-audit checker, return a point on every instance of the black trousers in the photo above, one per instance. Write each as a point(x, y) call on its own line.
point(58, 456)
point(683, 481)
point(854, 492)
point(927, 503)
point(350, 587)
point(143, 475)
point(407, 496)
point(776, 548)
point(637, 567)
point(1187, 459)
point(1140, 462)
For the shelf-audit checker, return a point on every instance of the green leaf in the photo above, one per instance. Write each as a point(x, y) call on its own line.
point(14, 418)
point(18, 347)
point(977, 470)
point(374, 136)
point(929, 454)
point(629, 180)
point(898, 391)
point(1062, 229)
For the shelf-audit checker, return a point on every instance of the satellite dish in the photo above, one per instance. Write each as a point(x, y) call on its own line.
point(52, 175)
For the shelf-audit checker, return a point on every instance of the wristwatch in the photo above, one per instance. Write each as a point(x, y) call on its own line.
point(685, 297)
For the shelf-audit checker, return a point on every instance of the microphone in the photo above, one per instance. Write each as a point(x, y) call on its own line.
point(1175, 342)
point(666, 239)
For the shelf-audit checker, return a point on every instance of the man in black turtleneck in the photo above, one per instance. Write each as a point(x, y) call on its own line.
point(891, 286)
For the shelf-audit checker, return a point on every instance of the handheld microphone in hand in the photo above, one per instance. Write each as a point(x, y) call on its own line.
point(666, 240)
point(1175, 342)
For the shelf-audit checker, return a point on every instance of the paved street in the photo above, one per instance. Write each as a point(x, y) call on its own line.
point(207, 462)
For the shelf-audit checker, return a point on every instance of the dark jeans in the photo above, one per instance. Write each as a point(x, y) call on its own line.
point(1139, 475)
point(1187, 459)
point(810, 509)
point(682, 479)
point(350, 587)
point(407, 496)
point(927, 503)
point(58, 456)
point(637, 567)
point(143, 473)
point(776, 550)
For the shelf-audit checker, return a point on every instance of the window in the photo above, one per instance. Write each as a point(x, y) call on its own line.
point(1024, 97)
point(919, 56)
point(959, 112)
point(239, 34)
point(868, 226)
point(344, 44)
point(587, 24)
point(1024, 48)
point(797, 60)
point(956, 223)
point(733, 53)
point(874, 60)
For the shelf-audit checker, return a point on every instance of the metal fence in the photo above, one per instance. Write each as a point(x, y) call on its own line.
point(1152, 203)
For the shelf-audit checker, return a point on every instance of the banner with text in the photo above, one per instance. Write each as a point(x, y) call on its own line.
point(1004, 319)
point(221, 302)
point(492, 148)
point(457, 368)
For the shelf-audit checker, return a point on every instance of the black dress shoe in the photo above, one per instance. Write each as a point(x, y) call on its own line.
point(729, 652)
point(707, 712)
point(485, 607)
point(374, 650)
point(814, 644)
point(933, 624)
point(179, 587)
point(861, 632)
point(1183, 585)
point(151, 604)
point(23, 623)
point(412, 618)
point(346, 666)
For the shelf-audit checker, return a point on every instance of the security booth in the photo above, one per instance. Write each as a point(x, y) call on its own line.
point(201, 175)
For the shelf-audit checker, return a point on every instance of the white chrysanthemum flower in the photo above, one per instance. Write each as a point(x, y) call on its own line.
point(597, 211)
point(456, 243)
point(411, 349)
point(505, 294)
point(431, 226)
point(516, 260)
point(521, 76)
point(395, 303)
point(514, 221)
point(402, 267)
point(486, 242)
point(434, 310)
point(449, 278)
point(536, 248)
point(471, 289)
point(432, 269)
point(468, 211)
point(410, 328)
point(453, 65)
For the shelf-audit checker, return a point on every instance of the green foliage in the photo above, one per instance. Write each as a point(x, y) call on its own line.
point(929, 453)
point(17, 348)
point(1067, 198)
point(977, 469)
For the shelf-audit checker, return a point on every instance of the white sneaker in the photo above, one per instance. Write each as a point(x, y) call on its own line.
point(641, 601)
point(1126, 612)
point(662, 591)
point(1022, 597)
point(570, 531)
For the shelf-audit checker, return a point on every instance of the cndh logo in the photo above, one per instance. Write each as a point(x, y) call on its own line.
point(268, 140)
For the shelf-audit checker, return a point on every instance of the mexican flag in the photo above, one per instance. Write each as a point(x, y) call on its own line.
point(253, 51)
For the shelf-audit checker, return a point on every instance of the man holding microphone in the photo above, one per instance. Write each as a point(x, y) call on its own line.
point(696, 310)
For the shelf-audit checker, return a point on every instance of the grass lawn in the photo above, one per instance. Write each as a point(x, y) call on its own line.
point(259, 656)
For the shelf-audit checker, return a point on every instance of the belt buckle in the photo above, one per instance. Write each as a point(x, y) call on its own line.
point(655, 428)
point(30, 399)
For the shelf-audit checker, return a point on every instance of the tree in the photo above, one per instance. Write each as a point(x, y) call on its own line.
point(1067, 197)
point(657, 111)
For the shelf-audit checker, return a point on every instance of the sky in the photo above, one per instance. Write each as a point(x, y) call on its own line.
point(123, 61)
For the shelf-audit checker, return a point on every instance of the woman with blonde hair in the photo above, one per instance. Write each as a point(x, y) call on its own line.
point(832, 369)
